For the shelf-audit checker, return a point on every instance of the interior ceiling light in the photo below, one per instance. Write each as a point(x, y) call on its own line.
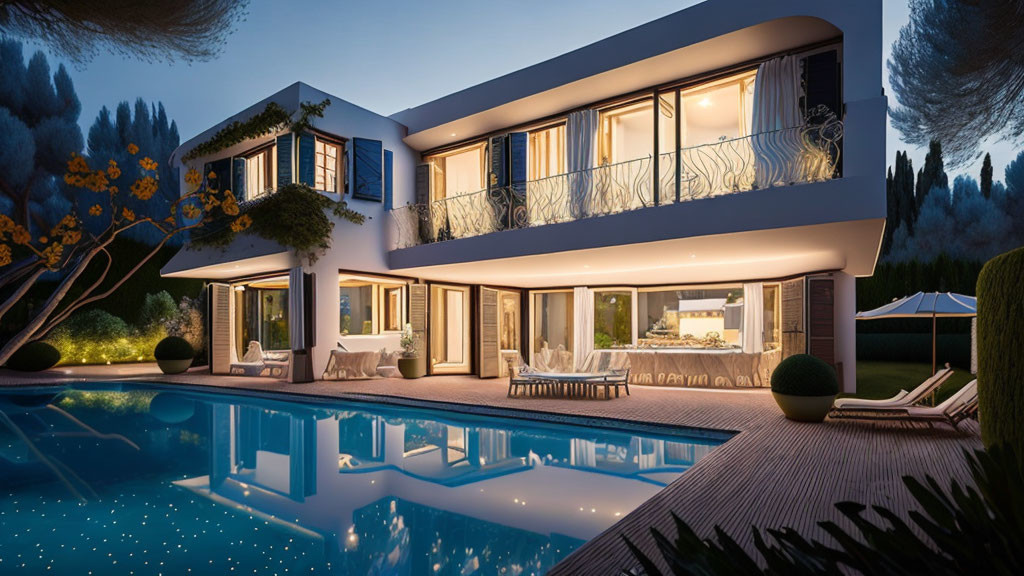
point(705, 102)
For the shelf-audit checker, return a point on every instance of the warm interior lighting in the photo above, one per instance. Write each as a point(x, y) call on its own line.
point(705, 102)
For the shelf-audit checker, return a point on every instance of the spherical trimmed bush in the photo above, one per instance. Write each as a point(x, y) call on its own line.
point(34, 357)
point(804, 375)
point(174, 348)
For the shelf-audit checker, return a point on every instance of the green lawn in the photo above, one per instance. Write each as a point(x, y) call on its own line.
point(877, 380)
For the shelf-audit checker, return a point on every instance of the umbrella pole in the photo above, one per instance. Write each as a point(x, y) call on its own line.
point(933, 354)
point(933, 343)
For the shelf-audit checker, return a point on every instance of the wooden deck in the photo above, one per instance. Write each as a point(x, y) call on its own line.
point(773, 473)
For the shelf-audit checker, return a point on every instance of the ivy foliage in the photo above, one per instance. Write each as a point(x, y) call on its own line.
point(273, 118)
point(295, 216)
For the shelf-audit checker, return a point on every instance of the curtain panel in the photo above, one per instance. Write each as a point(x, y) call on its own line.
point(752, 336)
point(775, 136)
point(581, 142)
point(583, 329)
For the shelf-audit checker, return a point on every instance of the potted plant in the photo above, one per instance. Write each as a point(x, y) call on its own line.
point(411, 364)
point(804, 387)
point(34, 356)
point(174, 355)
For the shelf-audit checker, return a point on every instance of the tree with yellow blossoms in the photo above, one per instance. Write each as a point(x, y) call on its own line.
point(69, 247)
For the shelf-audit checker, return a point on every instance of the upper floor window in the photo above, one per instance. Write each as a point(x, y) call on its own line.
point(327, 174)
point(546, 153)
point(626, 132)
point(719, 110)
point(459, 171)
point(259, 173)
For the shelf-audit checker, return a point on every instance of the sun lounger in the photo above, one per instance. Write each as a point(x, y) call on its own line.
point(956, 408)
point(903, 398)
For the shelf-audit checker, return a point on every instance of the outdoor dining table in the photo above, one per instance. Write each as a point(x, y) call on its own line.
point(575, 384)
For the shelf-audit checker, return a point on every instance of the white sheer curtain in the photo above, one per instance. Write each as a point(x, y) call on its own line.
point(583, 325)
point(776, 107)
point(753, 318)
point(580, 149)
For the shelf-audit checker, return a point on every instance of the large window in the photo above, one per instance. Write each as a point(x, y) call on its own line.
point(460, 171)
point(546, 153)
point(552, 331)
point(719, 110)
point(327, 168)
point(772, 316)
point(691, 317)
point(370, 307)
point(613, 319)
point(626, 133)
point(259, 173)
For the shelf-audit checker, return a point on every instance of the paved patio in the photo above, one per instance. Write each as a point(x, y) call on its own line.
point(773, 473)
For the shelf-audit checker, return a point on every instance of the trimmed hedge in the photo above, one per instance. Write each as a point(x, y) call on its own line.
point(952, 348)
point(34, 357)
point(174, 348)
point(1000, 351)
point(804, 375)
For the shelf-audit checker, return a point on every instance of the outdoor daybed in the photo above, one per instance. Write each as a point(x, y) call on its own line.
point(257, 362)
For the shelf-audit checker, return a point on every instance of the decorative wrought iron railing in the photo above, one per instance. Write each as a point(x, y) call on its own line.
point(808, 153)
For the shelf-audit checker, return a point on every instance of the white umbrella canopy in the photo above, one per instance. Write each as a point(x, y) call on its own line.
point(926, 305)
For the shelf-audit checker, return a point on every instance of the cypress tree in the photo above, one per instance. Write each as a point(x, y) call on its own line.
point(932, 175)
point(986, 176)
point(892, 214)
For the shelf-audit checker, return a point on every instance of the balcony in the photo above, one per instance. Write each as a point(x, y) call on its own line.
point(791, 156)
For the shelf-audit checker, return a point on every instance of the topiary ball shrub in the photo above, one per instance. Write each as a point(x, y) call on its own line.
point(804, 375)
point(1000, 344)
point(34, 357)
point(174, 348)
point(804, 387)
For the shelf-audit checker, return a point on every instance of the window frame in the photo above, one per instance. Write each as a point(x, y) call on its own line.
point(340, 164)
point(438, 182)
point(269, 150)
point(379, 290)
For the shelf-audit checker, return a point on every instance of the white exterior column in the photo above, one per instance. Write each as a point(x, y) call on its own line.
point(328, 322)
point(845, 312)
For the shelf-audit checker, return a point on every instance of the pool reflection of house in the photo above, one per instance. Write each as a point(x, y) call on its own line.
point(734, 149)
point(319, 472)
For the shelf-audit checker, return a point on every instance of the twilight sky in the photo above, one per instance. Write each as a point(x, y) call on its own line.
point(388, 56)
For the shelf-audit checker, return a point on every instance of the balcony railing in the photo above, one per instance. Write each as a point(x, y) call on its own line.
point(803, 154)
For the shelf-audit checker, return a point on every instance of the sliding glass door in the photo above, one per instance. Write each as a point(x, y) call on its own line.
point(449, 329)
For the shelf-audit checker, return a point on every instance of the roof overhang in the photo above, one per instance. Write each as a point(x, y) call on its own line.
point(755, 255)
point(247, 255)
point(709, 36)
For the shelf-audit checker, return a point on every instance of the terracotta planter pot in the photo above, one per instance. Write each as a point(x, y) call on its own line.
point(174, 366)
point(804, 408)
point(412, 367)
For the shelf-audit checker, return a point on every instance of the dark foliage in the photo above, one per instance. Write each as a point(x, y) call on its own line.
point(963, 530)
point(192, 30)
point(125, 301)
point(173, 348)
point(804, 375)
point(958, 76)
point(295, 216)
point(951, 347)
point(1000, 349)
point(932, 175)
point(34, 357)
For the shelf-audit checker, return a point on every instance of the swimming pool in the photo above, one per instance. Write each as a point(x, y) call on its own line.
point(145, 479)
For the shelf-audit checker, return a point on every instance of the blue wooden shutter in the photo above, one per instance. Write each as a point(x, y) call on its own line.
point(238, 178)
point(423, 172)
point(284, 160)
point(307, 160)
point(389, 184)
point(368, 169)
point(517, 143)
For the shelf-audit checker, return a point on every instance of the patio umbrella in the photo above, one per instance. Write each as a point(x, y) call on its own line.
point(923, 305)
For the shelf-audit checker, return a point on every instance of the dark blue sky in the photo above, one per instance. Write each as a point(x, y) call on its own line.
point(387, 56)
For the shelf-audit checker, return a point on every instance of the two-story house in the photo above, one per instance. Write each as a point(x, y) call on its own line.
point(697, 194)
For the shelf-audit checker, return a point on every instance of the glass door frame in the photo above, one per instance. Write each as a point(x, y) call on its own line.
point(468, 320)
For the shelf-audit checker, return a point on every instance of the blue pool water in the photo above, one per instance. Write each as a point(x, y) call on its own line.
point(139, 479)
